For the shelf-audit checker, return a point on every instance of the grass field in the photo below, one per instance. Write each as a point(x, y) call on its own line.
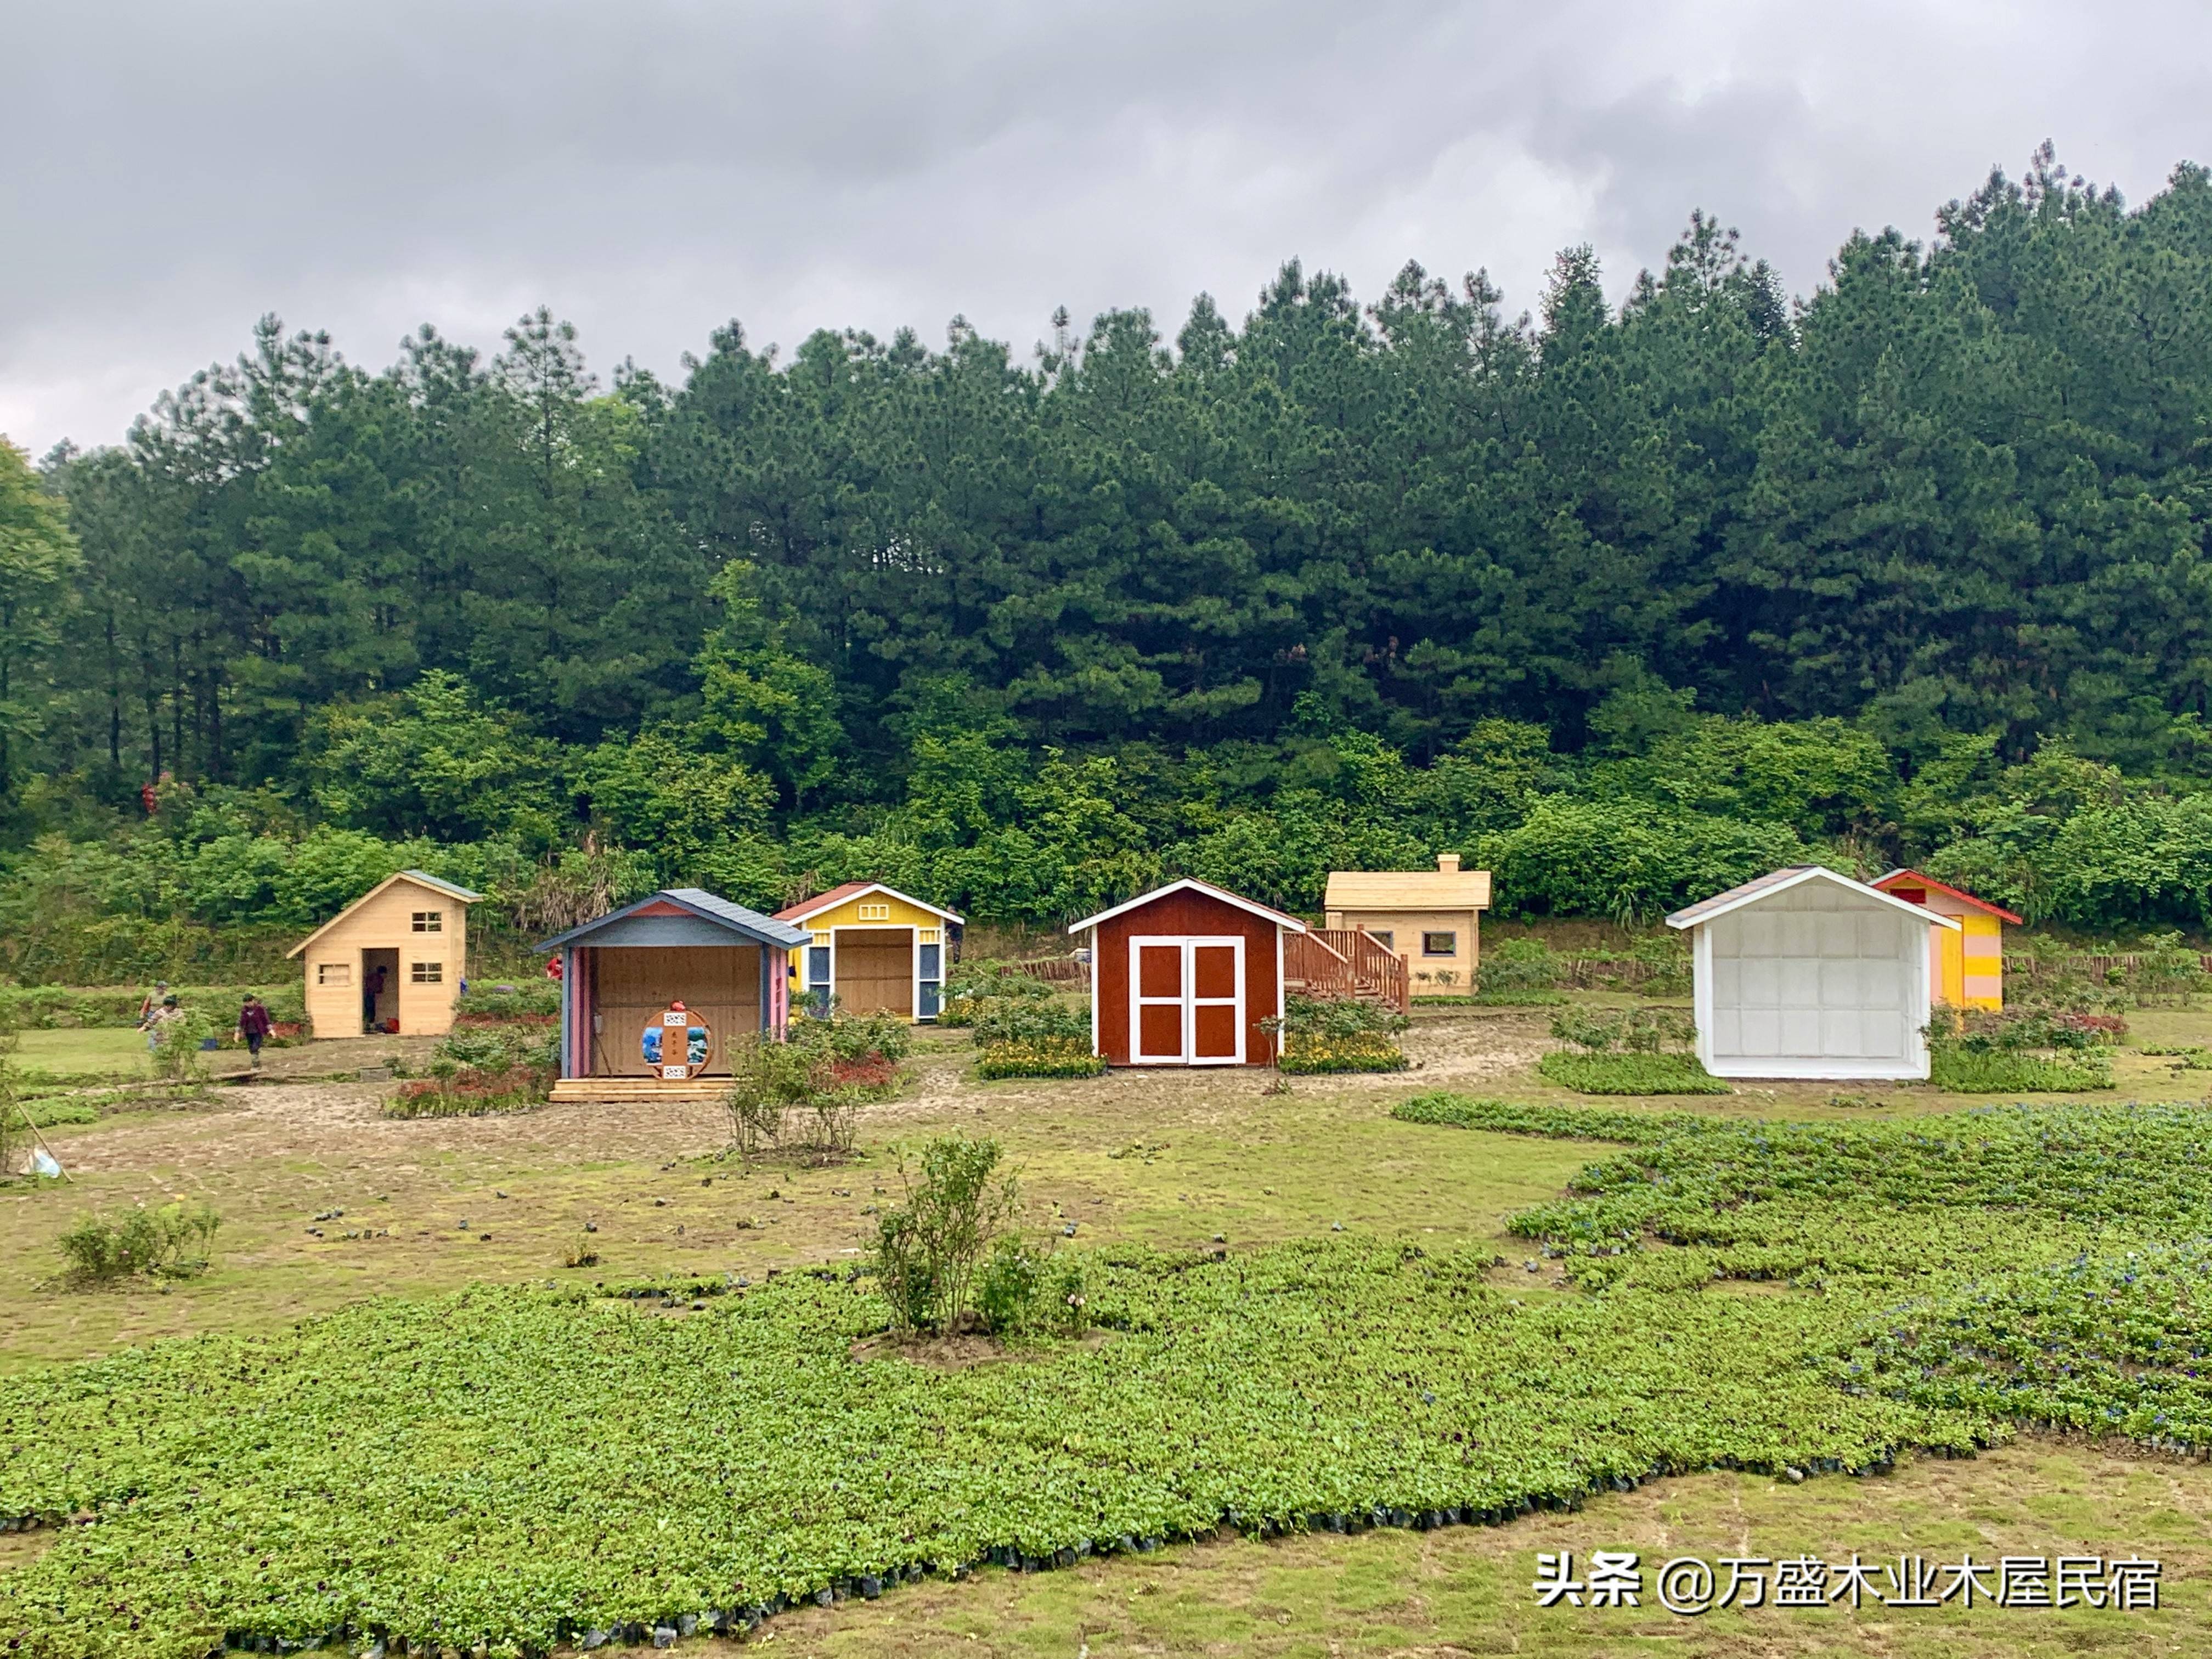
point(1162, 1160)
point(93, 1056)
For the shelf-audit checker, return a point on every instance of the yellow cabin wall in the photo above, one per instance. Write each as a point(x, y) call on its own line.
point(1967, 963)
point(384, 920)
point(869, 910)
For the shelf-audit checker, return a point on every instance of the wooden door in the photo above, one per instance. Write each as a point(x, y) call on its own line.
point(875, 970)
point(1156, 1002)
point(1217, 1001)
point(1186, 1001)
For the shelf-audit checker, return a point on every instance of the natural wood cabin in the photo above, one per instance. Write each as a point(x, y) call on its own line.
point(1431, 920)
point(413, 926)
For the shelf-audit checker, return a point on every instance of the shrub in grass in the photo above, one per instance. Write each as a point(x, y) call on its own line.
point(1629, 1074)
point(1514, 969)
point(171, 1241)
point(802, 1092)
point(2007, 1072)
point(530, 999)
point(48, 1113)
point(930, 1248)
point(973, 986)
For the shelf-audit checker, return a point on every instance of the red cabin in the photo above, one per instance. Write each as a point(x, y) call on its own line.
point(1184, 975)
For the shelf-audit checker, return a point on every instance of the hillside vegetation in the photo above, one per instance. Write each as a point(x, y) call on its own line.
point(1627, 601)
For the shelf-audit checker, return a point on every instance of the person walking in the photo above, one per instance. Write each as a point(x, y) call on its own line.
point(254, 1026)
point(372, 993)
point(150, 1007)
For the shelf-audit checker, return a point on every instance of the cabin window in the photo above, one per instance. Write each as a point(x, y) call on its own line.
point(929, 970)
point(818, 977)
point(429, 921)
point(929, 936)
point(426, 973)
point(1440, 945)
point(1909, 895)
point(1384, 936)
point(875, 912)
point(334, 973)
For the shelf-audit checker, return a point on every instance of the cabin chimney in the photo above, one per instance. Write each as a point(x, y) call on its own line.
point(1448, 863)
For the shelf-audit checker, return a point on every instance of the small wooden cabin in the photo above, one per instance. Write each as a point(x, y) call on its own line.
point(413, 926)
point(1183, 975)
point(874, 948)
point(1968, 964)
point(1807, 974)
point(1431, 920)
point(621, 973)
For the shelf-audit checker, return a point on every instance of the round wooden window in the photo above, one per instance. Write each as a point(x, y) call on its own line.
point(676, 1044)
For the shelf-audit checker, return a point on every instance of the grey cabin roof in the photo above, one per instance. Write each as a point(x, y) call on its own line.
point(708, 907)
point(457, 890)
point(1779, 881)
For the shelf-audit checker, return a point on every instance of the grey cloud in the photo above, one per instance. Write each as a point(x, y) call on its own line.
point(654, 167)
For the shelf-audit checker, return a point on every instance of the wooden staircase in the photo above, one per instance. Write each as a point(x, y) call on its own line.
point(637, 1090)
point(1346, 962)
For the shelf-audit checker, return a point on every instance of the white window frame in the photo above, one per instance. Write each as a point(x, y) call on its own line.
point(1186, 997)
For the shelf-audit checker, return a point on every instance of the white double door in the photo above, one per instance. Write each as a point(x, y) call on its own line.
point(1186, 1000)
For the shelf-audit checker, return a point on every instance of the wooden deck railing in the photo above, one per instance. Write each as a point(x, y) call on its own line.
point(1346, 962)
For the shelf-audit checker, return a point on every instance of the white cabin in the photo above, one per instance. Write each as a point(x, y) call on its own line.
point(1808, 974)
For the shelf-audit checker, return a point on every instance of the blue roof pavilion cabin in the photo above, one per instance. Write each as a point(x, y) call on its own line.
point(653, 993)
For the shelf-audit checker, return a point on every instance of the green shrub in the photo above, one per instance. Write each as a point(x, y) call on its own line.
point(928, 1249)
point(971, 985)
point(59, 1109)
point(1631, 1074)
point(534, 997)
point(1518, 967)
point(1018, 1021)
point(154, 1242)
point(2009, 1071)
point(803, 1092)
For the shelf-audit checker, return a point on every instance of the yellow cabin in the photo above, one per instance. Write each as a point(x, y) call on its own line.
point(1967, 964)
point(1431, 920)
point(874, 948)
point(395, 954)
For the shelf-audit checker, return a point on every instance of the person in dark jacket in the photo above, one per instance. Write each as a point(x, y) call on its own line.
point(254, 1026)
point(372, 993)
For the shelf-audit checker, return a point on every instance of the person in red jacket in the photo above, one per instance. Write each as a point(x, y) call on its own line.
point(254, 1026)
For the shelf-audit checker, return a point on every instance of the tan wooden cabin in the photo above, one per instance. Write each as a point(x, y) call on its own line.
point(412, 926)
point(874, 950)
point(1431, 920)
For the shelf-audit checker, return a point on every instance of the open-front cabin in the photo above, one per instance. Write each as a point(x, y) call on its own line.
point(390, 962)
point(1184, 976)
point(654, 995)
point(872, 950)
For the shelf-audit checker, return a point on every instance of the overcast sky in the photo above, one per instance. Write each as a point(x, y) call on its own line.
point(651, 169)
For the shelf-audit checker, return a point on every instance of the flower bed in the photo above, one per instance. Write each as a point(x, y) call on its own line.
point(473, 1093)
point(1312, 1054)
point(1040, 1056)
